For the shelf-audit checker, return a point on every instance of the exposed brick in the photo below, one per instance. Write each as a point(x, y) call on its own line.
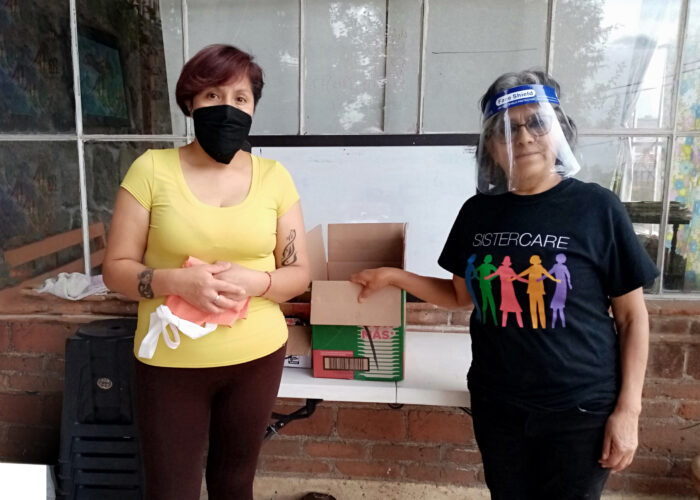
point(658, 409)
point(20, 408)
point(649, 465)
point(371, 424)
point(665, 361)
point(25, 434)
point(460, 318)
point(51, 405)
point(690, 411)
point(318, 424)
point(55, 364)
point(334, 449)
point(661, 324)
point(20, 363)
point(695, 327)
point(693, 366)
point(294, 465)
point(442, 474)
point(386, 470)
point(659, 485)
point(680, 468)
point(38, 383)
point(463, 456)
point(286, 405)
point(41, 337)
point(617, 482)
point(32, 452)
point(675, 437)
point(277, 446)
point(400, 452)
point(426, 317)
point(4, 336)
point(673, 307)
point(438, 426)
point(671, 389)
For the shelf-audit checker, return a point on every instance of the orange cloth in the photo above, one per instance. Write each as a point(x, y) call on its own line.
point(183, 309)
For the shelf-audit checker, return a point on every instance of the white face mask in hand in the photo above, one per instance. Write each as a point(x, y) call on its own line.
point(159, 321)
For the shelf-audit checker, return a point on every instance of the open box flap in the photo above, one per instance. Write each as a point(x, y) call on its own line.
point(339, 271)
point(335, 303)
point(317, 254)
point(374, 242)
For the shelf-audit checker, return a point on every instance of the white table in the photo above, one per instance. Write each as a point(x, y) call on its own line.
point(435, 373)
point(25, 482)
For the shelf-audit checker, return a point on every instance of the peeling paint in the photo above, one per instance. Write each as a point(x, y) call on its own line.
point(287, 58)
point(352, 112)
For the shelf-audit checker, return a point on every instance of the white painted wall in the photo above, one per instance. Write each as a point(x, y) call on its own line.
point(422, 185)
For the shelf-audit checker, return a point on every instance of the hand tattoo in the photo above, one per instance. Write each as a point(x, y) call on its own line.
point(289, 254)
point(145, 278)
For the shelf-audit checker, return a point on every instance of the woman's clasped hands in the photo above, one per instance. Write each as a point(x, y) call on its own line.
point(206, 287)
point(252, 283)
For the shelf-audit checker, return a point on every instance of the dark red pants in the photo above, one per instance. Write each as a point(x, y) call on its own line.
point(182, 411)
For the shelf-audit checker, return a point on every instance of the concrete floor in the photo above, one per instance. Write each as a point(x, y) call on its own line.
point(291, 488)
point(34, 482)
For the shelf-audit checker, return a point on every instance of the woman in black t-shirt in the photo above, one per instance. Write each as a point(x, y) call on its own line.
point(556, 391)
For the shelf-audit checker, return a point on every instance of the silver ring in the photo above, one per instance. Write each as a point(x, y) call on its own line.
point(216, 298)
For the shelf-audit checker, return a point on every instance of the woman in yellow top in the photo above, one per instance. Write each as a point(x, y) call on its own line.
point(240, 214)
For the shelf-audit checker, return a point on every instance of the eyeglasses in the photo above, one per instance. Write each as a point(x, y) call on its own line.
point(536, 124)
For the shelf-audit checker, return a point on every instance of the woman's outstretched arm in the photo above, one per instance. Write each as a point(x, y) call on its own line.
point(449, 294)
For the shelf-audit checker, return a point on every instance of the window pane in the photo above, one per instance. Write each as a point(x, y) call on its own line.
point(404, 39)
point(682, 266)
point(106, 164)
point(171, 18)
point(123, 73)
point(470, 43)
point(615, 61)
point(633, 168)
point(689, 95)
point(39, 197)
point(268, 30)
point(345, 48)
point(36, 72)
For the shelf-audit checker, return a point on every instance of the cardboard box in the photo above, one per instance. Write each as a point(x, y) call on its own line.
point(352, 340)
point(298, 347)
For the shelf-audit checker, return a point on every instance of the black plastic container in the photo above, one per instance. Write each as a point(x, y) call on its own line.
point(99, 449)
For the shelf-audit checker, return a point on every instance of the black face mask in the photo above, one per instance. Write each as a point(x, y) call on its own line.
point(221, 130)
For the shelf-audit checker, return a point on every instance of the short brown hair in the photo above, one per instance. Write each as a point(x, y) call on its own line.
point(215, 65)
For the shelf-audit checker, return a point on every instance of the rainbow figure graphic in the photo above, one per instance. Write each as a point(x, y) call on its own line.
point(535, 289)
point(509, 303)
point(469, 275)
point(561, 272)
point(485, 269)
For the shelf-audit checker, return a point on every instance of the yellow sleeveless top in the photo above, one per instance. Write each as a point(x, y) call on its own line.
point(181, 225)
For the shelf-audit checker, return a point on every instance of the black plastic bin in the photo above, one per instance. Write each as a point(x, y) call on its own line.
point(99, 455)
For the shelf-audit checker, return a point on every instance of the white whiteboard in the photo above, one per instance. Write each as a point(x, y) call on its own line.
point(422, 185)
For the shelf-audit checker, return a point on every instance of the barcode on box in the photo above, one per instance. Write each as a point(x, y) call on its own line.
point(342, 363)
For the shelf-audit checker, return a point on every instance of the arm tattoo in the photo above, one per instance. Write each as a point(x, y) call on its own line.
point(289, 254)
point(145, 278)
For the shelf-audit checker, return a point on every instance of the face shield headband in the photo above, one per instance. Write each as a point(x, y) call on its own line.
point(517, 96)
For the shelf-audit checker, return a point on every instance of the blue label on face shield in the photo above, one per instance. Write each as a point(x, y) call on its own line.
point(517, 96)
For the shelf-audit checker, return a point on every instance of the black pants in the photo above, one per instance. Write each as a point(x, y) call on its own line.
point(181, 411)
point(541, 455)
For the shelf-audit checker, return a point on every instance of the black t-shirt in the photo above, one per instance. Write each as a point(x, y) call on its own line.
point(546, 264)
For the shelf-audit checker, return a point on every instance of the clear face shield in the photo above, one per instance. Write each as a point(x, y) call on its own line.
point(524, 143)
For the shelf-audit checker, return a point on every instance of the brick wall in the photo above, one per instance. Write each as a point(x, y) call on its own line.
point(369, 441)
